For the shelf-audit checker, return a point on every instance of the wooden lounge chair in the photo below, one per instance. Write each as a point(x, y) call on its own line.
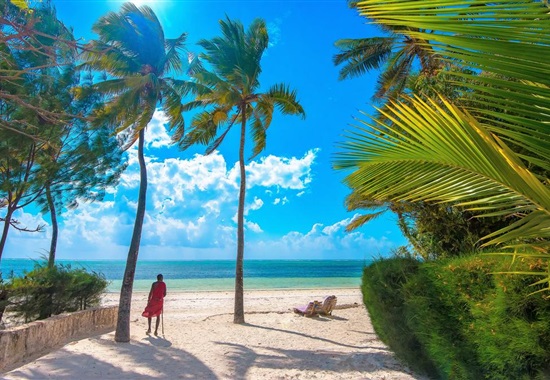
point(310, 310)
point(327, 306)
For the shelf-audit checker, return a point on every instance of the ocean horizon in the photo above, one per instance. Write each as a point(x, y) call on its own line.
point(214, 275)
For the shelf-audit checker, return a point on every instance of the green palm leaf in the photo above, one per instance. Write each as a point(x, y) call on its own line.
point(362, 55)
point(440, 154)
point(509, 38)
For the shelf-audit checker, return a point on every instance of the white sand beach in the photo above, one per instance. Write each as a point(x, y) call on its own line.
point(201, 341)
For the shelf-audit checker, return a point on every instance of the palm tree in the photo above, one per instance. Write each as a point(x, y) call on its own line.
point(438, 152)
point(132, 50)
point(398, 54)
point(230, 94)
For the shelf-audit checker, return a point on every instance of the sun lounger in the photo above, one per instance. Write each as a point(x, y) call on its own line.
point(327, 306)
point(310, 310)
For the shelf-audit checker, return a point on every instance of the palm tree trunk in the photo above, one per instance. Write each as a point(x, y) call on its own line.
point(239, 284)
point(122, 333)
point(55, 229)
point(5, 230)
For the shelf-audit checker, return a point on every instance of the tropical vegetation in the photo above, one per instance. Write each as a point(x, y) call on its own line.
point(461, 155)
point(456, 319)
point(484, 158)
point(50, 290)
point(229, 91)
point(134, 52)
point(458, 149)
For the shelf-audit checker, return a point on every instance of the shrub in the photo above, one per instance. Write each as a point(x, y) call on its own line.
point(383, 295)
point(4, 296)
point(46, 291)
point(462, 318)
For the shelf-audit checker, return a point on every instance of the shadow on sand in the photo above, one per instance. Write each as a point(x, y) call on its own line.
point(140, 357)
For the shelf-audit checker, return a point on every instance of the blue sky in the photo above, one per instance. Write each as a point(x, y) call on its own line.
point(295, 200)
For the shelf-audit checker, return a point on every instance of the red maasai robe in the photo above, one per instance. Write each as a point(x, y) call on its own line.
point(155, 304)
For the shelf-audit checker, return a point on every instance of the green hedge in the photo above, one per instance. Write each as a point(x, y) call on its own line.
point(455, 319)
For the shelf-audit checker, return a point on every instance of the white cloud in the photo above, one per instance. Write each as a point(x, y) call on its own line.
point(191, 208)
point(156, 135)
point(253, 227)
point(287, 173)
point(256, 204)
point(322, 242)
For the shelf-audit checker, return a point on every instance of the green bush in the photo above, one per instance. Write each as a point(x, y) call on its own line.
point(383, 295)
point(46, 291)
point(4, 296)
point(459, 319)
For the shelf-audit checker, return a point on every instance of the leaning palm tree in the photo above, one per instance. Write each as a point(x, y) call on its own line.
point(229, 93)
point(438, 152)
point(132, 50)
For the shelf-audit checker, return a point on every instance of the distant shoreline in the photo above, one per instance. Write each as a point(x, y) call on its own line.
point(179, 291)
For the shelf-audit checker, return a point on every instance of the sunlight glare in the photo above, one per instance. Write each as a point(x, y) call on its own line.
point(139, 3)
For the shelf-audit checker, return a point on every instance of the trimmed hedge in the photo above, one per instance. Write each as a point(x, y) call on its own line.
point(455, 319)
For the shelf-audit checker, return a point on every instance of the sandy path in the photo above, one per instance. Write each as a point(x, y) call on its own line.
point(201, 342)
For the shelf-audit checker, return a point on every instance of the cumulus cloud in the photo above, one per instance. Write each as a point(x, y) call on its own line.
point(282, 172)
point(156, 135)
point(191, 212)
point(323, 242)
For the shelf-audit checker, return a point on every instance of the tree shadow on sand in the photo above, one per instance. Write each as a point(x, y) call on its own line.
point(326, 340)
point(151, 355)
point(243, 358)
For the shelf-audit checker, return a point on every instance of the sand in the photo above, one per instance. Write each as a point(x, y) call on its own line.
point(200, 341)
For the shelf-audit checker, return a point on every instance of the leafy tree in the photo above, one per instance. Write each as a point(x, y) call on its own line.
point(22, 152)
point(82, 162)
point(31, 40)
point(133, 51)
point(59, 160)
point(230, 95)
point(441, 153)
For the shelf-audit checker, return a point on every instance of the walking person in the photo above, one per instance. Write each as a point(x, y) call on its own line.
point(155, 303)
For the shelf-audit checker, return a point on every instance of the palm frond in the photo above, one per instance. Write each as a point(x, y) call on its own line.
point(440, 155)
point(172, 107)
point(216, 143)
point(361, 220)
point(202, 131)
point(285, 100)
point(175, 47)
point(508, 38)
point(362, 55)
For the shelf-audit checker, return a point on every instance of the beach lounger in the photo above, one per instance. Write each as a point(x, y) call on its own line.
point(327, 306)
point(310, 310)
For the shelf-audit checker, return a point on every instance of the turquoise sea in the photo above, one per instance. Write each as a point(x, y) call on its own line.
point(214, 275)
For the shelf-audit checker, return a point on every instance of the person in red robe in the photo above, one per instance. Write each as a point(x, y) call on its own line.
point(155, 303)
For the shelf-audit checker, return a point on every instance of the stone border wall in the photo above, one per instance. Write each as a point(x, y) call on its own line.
point(27, 342)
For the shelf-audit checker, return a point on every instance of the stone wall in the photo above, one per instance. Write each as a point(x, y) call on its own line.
point(27, 342)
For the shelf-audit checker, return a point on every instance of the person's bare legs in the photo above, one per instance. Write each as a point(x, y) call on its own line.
point(149, 324)
point(156, 325)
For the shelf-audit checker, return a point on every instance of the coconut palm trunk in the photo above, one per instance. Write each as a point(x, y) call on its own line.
point(239, 272)
point(228, 94)
point(122, 333)
point(133, 49)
